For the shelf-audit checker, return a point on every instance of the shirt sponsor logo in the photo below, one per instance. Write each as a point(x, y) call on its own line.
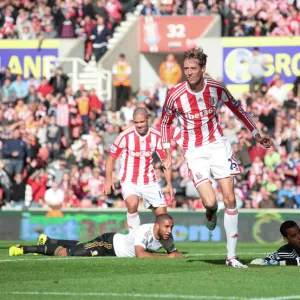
point(142, 153)
point(201, 114)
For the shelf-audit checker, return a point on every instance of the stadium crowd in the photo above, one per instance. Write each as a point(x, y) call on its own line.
point(54, 142)
point(92, 21)
point(239, 17)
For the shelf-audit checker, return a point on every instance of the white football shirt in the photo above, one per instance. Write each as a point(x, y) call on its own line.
point(142, 236)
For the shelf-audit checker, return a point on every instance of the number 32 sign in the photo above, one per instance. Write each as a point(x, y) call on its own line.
point(174, 33)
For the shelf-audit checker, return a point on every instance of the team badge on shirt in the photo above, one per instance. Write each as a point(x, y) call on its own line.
point(198, 176)
point(168, 111)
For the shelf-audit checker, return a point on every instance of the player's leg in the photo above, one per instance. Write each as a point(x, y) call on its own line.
point(100, 246)
point(209, 201)
point(50, 250)
point(222, 168)
point(44, 239)
point(159, 210)
point(199, 165)
point(132, 202)
point(153, 198)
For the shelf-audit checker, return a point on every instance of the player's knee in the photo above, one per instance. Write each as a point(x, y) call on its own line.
point(229, 202)
point(63, 252)
point(209, 201)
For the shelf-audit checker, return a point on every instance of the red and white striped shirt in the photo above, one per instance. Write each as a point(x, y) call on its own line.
point(63, 114)
point(137, 162)
point(197, 118)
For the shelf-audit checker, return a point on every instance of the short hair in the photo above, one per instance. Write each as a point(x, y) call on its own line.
point(163, 217)
point(285, 226)
point(141, 111)
point(196, 53)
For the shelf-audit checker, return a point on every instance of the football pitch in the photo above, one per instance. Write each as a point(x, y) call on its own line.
point(200, 275)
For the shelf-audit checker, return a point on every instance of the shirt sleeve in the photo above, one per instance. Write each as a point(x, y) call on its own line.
point(168, 244)
point(238, 111)
point(168, 115)
point(159, 149)
point(117, 147)
point(140, 238)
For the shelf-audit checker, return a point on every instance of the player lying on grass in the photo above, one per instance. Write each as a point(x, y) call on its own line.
point(139, 242)
point(287, 255)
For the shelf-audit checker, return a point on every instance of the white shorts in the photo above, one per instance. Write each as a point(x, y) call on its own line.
point(151, 194)
point(213, 160)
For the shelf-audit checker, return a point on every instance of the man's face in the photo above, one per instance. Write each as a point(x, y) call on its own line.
point(165, 229)
point(141, 124)
point(193, 72)
point(293, 236)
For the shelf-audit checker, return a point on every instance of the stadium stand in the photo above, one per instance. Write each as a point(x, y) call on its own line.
point(54, 138)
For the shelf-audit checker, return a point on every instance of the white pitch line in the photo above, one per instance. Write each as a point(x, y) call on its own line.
point(29, 258)
point(140, 295)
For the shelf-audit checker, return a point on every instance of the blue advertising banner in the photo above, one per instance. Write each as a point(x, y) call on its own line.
point(27, 58)
point(282, 53)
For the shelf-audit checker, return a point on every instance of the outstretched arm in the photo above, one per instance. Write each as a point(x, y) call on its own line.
point(244, 118)
point(140, 252)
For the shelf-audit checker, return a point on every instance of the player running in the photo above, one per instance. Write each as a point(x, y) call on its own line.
point(287, 255)
point(138, 242)
point(137, 145)
point(207, 152)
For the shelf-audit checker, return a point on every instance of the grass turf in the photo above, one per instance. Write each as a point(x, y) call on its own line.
point(200, 275)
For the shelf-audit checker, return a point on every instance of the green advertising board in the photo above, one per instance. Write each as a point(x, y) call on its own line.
point(254, 226)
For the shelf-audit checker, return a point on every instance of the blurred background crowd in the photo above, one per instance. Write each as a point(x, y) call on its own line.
point(95, 20)
point(54, 140)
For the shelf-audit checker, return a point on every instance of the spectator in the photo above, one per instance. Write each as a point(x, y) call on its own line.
point(149, 9)
point(7, 92)
point(59, 81)
point(83, 104)
point(99, 36)
point(20, 86)
point(113, 8)
point(49, 32)
point(63, 111)
point(45, 88)
point(15, 152)
point(279, 92)
point(100, 10)
point(257, 63)
point(286, 196)
point(54, 197)
point(53, 138)
point(121, 71)
point(67, 26)
point(170, 71)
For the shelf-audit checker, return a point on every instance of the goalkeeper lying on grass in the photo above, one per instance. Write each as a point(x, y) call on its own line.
point(141, 242)
point(287, 255)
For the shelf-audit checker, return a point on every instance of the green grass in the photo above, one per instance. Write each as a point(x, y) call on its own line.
point(194, 277)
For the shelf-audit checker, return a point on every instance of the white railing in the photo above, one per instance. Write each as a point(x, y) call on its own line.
point(104, 85)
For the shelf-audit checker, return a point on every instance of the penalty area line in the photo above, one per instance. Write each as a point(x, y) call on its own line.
point(142, 295)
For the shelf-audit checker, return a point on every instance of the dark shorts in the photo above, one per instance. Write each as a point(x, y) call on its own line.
point(100, 246)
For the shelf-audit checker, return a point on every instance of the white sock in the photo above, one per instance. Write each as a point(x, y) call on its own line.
point(231, 228)
point(133, 221)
